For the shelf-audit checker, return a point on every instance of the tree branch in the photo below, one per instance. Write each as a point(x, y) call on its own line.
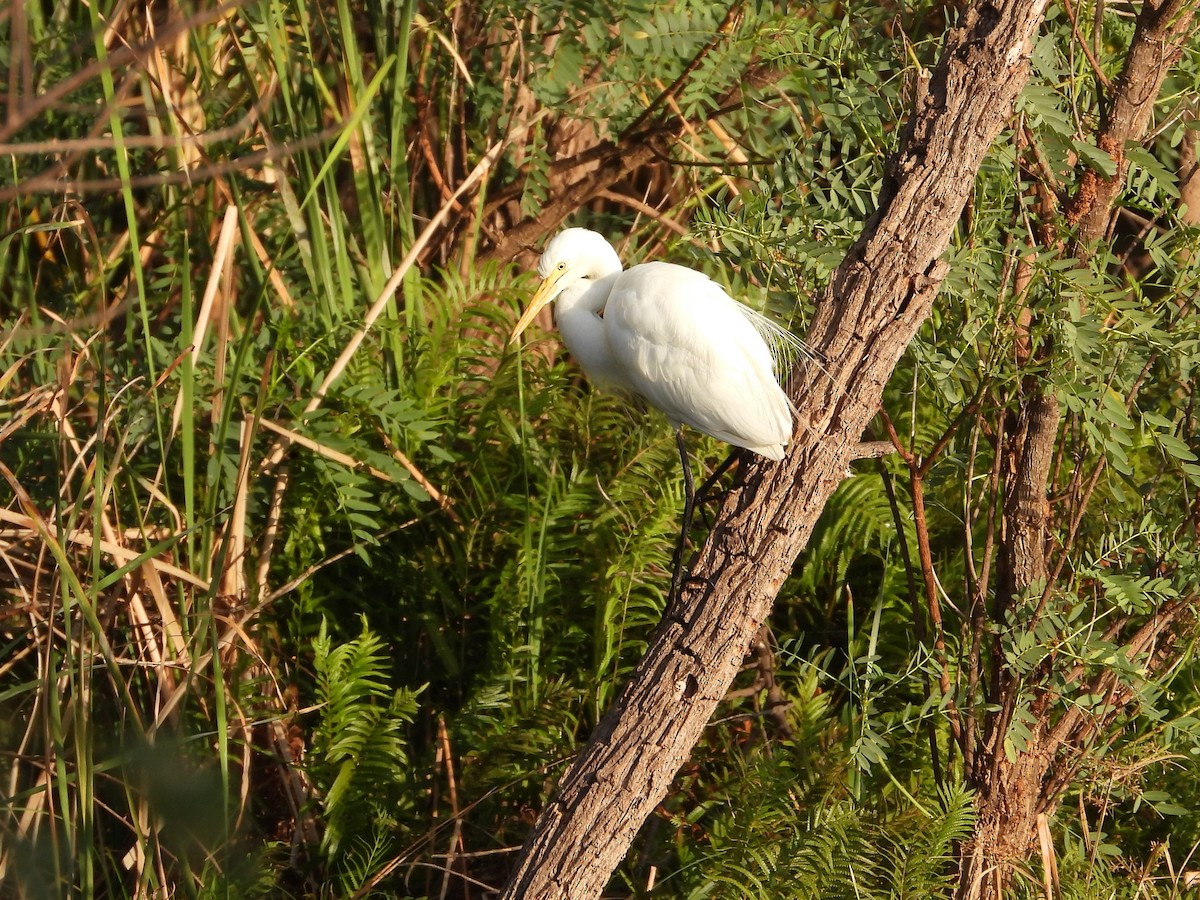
point(1158, 41)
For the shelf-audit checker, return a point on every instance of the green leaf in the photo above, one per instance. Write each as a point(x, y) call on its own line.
point(1176, 448)
point(1162, 177)
point(1095, 158)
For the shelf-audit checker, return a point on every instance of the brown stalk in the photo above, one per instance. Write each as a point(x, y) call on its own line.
point(1087, 50)
point(918, 468)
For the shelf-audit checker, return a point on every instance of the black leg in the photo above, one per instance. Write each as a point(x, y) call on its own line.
point(689, 509)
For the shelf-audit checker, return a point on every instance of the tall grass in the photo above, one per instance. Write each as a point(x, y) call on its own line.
point(189, 285)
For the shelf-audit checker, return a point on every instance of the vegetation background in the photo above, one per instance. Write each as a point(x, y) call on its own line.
point(312, 585)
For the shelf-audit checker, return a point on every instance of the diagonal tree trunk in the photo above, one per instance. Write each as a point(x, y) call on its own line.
point(873, 306)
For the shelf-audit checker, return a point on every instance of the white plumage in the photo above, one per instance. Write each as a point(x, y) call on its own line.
point(670, 335)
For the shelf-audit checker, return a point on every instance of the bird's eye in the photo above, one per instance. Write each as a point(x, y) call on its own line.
point(561, 266)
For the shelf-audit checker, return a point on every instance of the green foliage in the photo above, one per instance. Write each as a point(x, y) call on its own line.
point(791, 841)
point(363, 767)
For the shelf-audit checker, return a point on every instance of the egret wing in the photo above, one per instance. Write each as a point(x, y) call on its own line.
point(692, 351)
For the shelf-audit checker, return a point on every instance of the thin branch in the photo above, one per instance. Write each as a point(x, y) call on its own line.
point(925, 558)
point(645, 209)
point(54, 184)
point(115, 61)
point(1087, 50)
point(729, 24)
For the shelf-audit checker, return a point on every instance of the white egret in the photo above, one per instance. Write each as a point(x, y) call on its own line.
point(673, 337)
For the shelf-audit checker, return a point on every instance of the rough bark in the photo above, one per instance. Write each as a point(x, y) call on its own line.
point(1162, 30)
point(871, 309)
point(1026, 512)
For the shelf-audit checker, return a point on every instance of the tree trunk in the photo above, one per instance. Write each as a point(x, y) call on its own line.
point(1011, 791)
point(873, 306)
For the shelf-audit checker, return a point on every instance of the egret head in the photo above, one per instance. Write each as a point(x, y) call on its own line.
point(572, 256)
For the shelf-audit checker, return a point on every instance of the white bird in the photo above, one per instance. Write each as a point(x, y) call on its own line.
point(672, 336)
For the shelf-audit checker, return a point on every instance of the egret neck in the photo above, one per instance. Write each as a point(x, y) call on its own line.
point(579, 321)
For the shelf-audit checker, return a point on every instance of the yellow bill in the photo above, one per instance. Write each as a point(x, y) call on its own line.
point(543, 295)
